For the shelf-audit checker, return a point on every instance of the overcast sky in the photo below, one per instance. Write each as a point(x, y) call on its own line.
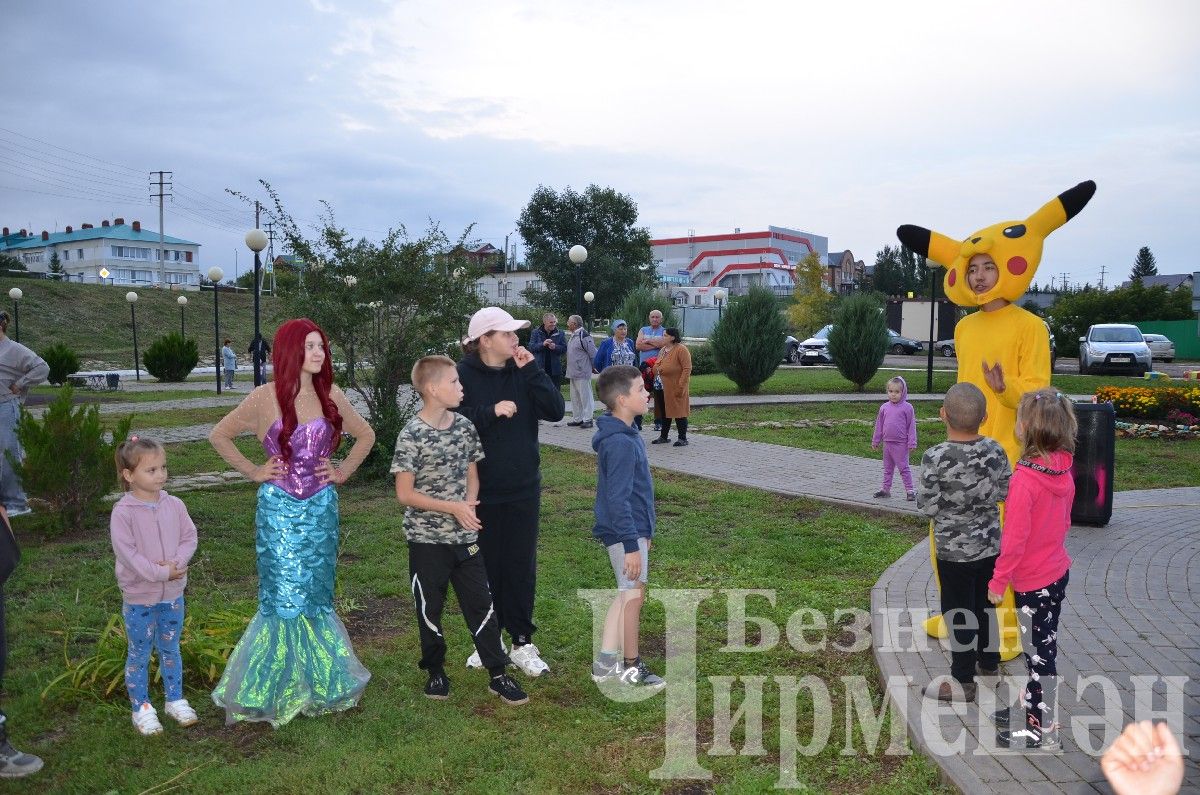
point(843, 119)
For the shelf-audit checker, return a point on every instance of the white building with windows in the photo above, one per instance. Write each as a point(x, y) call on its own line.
point(112, 253)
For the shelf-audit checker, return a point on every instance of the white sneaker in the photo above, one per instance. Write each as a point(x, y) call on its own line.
point(181, 711)
point(145, 720)
point(474, 662)
point(528, 660)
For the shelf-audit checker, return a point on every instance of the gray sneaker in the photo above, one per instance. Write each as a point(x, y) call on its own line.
point(14, 764)
point(603, 672)
point(639, 675)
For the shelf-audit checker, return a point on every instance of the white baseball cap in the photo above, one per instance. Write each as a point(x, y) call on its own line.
point(492, 318)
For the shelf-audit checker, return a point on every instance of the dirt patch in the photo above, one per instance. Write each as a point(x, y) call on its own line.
point(377, 619)
point(244, 737)
point(484, 710)
point(691, 788)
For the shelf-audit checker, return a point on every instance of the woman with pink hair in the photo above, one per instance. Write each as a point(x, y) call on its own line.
point(295, 657)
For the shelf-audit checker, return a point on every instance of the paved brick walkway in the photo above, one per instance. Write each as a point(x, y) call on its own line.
point(1131, 611)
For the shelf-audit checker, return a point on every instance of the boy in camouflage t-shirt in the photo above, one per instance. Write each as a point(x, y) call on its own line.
point(963, 480)
point(436, 477)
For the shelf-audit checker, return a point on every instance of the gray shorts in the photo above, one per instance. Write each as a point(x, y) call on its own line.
point(616, 556)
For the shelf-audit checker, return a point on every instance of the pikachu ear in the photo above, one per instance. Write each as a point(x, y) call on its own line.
point(929, 244)
point(1061, 208)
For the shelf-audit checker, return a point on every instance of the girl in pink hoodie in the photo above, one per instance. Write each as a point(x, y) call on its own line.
point(1033, 555)
point(153, 538)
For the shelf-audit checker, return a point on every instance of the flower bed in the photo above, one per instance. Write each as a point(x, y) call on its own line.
point(1179, 404)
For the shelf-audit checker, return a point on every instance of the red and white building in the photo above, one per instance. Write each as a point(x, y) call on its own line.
point(693, 267)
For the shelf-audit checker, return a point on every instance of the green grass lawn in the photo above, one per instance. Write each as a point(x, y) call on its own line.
point(570, 738)
point(847, 427)
point(827, 380)
point(40, 395)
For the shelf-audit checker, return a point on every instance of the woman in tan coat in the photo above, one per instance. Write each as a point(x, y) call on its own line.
point(674, 369)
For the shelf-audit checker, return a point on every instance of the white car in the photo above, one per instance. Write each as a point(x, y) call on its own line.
point(1113, 346)
point(1161, 347)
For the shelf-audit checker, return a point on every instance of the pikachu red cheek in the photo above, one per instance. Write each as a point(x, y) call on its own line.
point(1017, 265)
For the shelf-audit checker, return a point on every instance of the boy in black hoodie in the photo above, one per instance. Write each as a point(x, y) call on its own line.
point(624, 522)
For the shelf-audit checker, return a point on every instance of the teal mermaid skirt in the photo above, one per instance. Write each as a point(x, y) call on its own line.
point(295, 657)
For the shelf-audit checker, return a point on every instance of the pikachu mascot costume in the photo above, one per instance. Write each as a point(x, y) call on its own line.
point(1002, 349)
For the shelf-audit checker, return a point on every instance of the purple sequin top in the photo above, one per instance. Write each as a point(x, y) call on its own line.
point(310, 443)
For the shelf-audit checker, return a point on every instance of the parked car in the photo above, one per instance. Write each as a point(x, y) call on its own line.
point(1113, 346)
point(791, 350)
point(815, 349)
point(898, 344)
point(1161, 347)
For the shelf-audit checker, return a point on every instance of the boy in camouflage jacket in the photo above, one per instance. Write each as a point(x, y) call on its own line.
point(962, 482)
point(436, 477)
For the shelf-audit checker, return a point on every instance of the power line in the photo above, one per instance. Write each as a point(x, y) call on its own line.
point(136, 171)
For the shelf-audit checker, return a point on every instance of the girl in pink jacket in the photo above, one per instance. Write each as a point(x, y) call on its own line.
point(1033, 556)
point(153, 538)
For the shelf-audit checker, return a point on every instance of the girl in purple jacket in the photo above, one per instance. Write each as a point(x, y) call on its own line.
point(896, 429)
point(153, 538)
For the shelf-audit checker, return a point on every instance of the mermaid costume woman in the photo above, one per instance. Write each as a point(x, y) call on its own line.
point(295, 656)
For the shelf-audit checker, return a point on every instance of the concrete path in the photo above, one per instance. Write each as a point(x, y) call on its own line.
point(1130, 626)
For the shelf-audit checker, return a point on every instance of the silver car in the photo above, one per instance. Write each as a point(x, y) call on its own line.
point(1113, 346)
point(1161, 347)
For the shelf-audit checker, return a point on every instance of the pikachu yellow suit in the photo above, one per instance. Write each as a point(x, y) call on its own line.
point(1004, 334)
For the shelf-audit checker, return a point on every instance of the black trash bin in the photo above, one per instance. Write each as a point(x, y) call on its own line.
point(113, 380)
point(1095, 446)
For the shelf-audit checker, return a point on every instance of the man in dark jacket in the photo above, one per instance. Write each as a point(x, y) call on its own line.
point(505, 394)
point(547, 343)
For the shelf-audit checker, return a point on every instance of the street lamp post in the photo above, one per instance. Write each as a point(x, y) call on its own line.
point(256, 241)
point(132, 297)
point(578, 255)
point(719, 296)
point(588, 297)
point(182, 301)
point(215, 275)
point(15, 294)
point(932, 266)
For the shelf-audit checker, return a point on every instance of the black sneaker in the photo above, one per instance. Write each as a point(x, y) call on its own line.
point(574, 423)
point(15, 764)
point(508, 690)
point(587, 424)
point(660, 440)
point(639, 675)
point(680, 443)
point(1029, 739)
point(438, 686)
point(1001, 717)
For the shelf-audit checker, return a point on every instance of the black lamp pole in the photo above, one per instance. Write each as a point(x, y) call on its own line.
point(17, 318)
point(217, 332)
point(257, 332)
point(932, 307)
point(137, 367)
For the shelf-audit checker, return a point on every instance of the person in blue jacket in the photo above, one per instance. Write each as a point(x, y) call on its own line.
point(618, 350)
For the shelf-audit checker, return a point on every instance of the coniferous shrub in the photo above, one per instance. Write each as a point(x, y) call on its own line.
point(702, 360)
point(62, 361)
point(748, 342)
point(68, 463)
point(858, 340)
point(171, 358)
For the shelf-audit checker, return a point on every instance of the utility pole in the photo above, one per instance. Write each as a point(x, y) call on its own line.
point(163, 186)
point(1103, 270)
point(506, 254)
point(1064, 281)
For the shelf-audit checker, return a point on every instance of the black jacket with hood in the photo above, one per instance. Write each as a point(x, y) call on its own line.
point(511, 467)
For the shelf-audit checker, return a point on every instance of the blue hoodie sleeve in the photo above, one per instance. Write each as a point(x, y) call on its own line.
point(616, 462)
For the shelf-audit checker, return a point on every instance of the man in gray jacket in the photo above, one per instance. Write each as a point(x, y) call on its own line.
point(581, 350)
point(20, 368)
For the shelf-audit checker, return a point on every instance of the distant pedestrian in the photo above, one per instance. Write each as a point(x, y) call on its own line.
point(547, 343)
point(20, 368)
point(674, 370)
point(229, 362)
point(581, 351)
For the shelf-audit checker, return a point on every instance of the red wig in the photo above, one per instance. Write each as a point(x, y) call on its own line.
point(287, 356)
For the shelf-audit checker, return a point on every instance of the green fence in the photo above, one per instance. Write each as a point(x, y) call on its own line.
point(1181, 332)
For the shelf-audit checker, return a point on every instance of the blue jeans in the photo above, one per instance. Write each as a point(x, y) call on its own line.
point(11, 493)
point(150, 627)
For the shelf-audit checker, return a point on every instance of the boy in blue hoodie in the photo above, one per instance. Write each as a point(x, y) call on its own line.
point(624, 522)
